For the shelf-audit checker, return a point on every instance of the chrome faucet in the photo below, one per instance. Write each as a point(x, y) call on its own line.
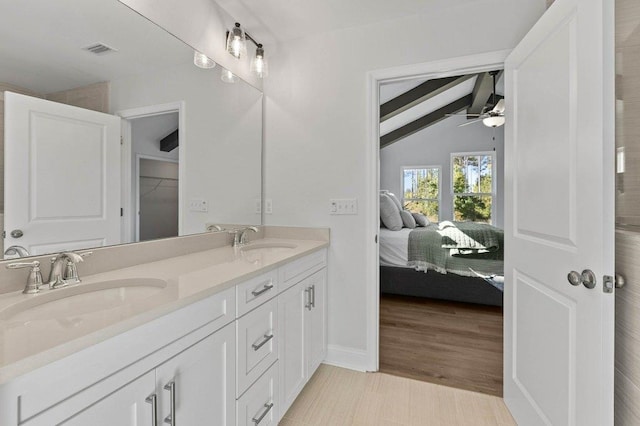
point(240, 235)
point(64, 270)
point(34, 280)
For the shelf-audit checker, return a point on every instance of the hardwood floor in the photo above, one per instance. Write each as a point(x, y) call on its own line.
point(447, 343)
point(335, 397)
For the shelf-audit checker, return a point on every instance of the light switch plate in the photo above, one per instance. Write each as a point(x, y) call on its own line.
point(268, 206)
point(342, 206)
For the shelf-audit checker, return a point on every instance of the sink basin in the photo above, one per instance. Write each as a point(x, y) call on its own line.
point(268, 247)
point(83, 298)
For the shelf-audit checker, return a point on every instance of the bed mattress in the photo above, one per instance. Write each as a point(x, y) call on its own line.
point(394, 247)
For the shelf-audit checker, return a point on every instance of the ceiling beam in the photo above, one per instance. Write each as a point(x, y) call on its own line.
point(482, 92)
point(425, 121)
point(419, 94)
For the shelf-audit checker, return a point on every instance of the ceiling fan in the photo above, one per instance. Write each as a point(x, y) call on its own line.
point(490, 118)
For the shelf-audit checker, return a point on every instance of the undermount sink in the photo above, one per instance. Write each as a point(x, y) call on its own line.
point(268, 247)
point(83, 298)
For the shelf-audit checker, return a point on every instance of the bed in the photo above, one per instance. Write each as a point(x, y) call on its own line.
point(455, 261)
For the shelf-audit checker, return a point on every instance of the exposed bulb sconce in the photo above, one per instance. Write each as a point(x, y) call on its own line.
point(259, 64)
point(202, 61)
point(227, 76)
point(237, 41)
point(237, 47)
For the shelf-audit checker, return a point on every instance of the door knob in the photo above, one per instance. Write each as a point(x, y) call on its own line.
point(17, 233)
point(575, 278)
point(589, 279)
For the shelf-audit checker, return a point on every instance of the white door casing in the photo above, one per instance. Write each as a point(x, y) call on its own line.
point(559, 200)
point(62, 175)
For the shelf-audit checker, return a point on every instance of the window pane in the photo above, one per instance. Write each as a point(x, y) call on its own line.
point(428, 208)
point(420, 183)
point(472, 208)
point(486, 173)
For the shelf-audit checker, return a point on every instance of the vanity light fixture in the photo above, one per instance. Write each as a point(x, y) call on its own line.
point(202, 61)
point(259, 64)
point(237, 41)
point(237, 47)
point(227, 76)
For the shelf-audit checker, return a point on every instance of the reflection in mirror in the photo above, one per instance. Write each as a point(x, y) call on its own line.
point(113, 135)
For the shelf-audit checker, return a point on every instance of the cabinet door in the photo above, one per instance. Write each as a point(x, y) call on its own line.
point(126, 406)
point(317, 321)
point(204, 382)
point(292, 349)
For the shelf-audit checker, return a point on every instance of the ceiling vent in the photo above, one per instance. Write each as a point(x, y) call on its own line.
point(99, 49)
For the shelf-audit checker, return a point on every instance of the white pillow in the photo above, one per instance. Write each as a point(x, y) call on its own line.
point(420, 219)
point(389, 213)
point(395, 200)
point(407, 219)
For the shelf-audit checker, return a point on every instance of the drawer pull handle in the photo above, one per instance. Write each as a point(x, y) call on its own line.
point(264, 289)
point(257, 346)
point(153, 400)
point(313, 296)
point(268, 407)
point(171, 418)
point(307, 292)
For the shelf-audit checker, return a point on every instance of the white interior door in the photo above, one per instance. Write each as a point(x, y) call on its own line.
point(559, 217)
point(62, 176)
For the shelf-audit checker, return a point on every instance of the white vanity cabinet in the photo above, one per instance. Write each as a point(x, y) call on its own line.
point(237, 357)
point(302, 313)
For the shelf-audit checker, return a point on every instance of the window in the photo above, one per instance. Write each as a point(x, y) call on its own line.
point(473, 186)
point(421, 190)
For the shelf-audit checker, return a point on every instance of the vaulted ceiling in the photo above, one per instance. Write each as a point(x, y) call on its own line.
point(410, 106)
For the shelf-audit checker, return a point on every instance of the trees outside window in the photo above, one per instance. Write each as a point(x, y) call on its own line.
point(421, 190)
point(473, 186)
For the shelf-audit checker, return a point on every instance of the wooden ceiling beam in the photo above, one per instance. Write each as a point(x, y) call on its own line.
point(425, 121)
point(419, 94)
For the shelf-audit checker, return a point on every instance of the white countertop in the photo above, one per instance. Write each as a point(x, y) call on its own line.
point(34, 338)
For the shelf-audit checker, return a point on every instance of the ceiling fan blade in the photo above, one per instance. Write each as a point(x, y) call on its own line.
point(499, 108)
point(471, 122)
point(463, 114)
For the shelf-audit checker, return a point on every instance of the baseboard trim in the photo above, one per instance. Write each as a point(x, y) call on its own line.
point(345, 357)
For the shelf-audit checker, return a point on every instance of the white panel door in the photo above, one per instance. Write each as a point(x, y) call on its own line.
point(62, 175)
point(204, 378)
point(559, 217)
point(127, 406)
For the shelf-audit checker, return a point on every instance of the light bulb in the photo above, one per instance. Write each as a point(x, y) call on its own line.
point(227, 76)
point(259, 64)
point(202, 61)
point(493, 121)
point(236, 42)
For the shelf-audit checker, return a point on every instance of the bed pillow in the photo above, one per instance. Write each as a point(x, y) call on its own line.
point(407, 219)
point(420, 219)
point(389, 213)
point(395, 200)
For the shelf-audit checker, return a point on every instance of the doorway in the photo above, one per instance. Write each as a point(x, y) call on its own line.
point(157, 198)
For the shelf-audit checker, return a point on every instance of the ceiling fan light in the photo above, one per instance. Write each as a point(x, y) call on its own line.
point(493, 121)
point(202, 61)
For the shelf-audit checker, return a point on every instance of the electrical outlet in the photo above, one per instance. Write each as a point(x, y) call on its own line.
point(268, 206)
point(198, 205)
point(343, 206)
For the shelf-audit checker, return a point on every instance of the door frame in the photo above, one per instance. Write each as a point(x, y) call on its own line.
point(137, 187)
point(129, 225)
point(435, 69)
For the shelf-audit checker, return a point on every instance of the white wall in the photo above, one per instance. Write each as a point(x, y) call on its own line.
point(221, 152)
point(316, 132)
point(433, 147)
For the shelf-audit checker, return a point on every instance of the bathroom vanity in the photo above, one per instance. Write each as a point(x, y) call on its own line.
point(226, 336)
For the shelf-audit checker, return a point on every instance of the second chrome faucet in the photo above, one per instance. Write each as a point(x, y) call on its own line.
point(240, 235)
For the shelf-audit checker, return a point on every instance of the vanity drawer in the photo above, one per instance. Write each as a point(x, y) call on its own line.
point(253, 293)
point(298, 270)
point(259, 405)
point(257, 340)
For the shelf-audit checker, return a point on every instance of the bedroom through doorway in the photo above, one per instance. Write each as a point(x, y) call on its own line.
point(441, 246)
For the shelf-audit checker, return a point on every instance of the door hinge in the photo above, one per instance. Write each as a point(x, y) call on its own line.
point(121, 212)
point(4, 234)
point(121, 140)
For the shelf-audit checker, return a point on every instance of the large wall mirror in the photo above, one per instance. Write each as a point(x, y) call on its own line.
point(113, 135)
